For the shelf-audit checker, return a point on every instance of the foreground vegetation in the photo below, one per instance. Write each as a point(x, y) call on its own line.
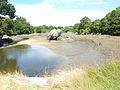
point(105, 77)
point(16, 81)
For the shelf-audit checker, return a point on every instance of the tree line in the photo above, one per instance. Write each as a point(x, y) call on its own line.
point(109, 25)
point(14, 25)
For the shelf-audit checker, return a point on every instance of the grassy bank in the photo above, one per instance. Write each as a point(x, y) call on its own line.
point(105, 77)
point(16, 82)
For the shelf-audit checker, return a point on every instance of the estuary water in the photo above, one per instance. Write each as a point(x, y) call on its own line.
point(30, 60)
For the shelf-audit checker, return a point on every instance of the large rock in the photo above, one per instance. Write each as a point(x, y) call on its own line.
point(54, 34)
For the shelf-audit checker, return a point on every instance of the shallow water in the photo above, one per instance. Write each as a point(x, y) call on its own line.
point(38, 60)
point(30, 60)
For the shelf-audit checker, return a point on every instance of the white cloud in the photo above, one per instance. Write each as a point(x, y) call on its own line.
point(79, 2)
point(46, 14)
point(63, 1)
point(33, 8)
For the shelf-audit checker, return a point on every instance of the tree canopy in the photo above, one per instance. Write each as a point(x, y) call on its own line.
point(21, 26)
point(110, 24)
point(9, 26)
point(7, 9)
point(113, 22)
point(95, 26)
point(84, 26)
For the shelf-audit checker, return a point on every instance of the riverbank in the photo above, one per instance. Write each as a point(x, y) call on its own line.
point(103, 77)
point(108, 45)
point(82, 50)
point(86, 48)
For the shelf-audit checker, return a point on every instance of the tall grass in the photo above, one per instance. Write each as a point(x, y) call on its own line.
point(16, 81)
point(106, 77)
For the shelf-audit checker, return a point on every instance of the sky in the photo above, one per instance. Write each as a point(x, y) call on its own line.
point(62, 12)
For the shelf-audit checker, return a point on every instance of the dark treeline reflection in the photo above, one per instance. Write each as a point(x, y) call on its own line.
point(8, 58)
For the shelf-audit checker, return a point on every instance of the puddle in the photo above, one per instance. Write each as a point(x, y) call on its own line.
point(30, 60)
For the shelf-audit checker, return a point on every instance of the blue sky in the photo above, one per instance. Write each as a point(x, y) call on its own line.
point(62, 12)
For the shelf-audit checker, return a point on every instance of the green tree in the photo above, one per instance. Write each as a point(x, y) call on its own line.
point(51, 27)
point(114, 22)
point(59, 27)
point(7, 9)
point(37, 29)
point(44, 28)
point(21, 26)
point(110, 24)
point(104, 26)
point(95, 26)
point(84, 26)
point(6, 26)
point(67, 29)
point(76, 27)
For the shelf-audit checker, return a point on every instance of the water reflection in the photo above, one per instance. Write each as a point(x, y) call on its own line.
point(31, 61)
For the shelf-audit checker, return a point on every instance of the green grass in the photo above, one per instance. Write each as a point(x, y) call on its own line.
point(105, 77)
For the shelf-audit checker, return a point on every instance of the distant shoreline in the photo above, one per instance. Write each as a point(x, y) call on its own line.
point(105, 43)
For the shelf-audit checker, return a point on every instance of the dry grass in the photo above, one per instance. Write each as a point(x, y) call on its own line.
point(16, 81)
point(105, 77)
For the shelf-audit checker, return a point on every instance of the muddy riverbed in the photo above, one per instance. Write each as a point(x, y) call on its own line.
point(79, 50)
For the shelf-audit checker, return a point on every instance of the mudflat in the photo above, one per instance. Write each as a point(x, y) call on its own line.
point(81, 49)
